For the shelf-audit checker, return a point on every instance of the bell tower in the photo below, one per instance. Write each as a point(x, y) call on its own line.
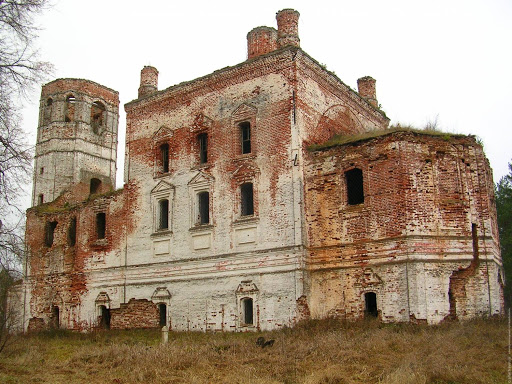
point(76, 138)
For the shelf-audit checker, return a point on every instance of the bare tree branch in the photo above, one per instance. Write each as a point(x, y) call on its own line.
point(20, 70)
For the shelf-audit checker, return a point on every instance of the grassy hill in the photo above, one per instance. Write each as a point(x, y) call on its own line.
point(314, 352)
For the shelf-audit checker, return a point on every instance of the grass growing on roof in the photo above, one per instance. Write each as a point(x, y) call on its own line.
point(349, 139)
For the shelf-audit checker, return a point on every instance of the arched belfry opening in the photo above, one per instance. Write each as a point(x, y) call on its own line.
point(94, 186)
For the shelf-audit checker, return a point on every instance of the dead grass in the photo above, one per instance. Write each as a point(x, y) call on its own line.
point(314, 352)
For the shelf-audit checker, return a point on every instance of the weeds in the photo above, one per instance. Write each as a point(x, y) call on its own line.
point(314, 352)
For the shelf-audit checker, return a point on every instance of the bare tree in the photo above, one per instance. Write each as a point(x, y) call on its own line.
point(20, 70)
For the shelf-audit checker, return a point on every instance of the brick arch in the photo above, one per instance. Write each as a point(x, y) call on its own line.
point(337, 119)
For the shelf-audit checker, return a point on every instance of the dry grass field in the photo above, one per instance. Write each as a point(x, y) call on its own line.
point(314, 352)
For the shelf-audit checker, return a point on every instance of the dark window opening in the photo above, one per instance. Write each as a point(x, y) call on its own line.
point(97, 112)
point(70, 109)
point(247, 309)
point(203, 147)
point(95, 186)
point(101, 225)
point(164, 157)
point(246, 194)
point(49, 232)
point(355, 193)
point(40, 199)
point(72, 232)
point(204, 207)
point(41, 170)
point(163, 214)
point(162, 309)
point(474, 235)
point(47, 111)
point(55, 318)
point(370, 310)
point(104, 317)
point(245, 131)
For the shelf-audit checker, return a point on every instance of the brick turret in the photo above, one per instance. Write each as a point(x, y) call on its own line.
point(288, 28)
point(261, 40)
point(148, 81)
point(366, 88)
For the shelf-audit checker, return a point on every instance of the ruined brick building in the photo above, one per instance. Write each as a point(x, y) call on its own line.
point(254, 197)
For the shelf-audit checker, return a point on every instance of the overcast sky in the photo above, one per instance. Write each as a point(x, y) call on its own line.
point(444, 59)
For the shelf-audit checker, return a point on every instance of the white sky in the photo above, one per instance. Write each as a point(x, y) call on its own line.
point(450, 59)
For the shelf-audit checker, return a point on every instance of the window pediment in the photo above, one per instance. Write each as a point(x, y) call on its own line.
point(368, 278)
point(162, 186)
point(244, 111)
point(201, 122)
point(246, 287)
point(245, 172)
point(201, 179)
point(162, 134)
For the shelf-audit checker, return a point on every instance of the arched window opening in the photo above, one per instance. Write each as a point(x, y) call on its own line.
point(371, 310)
point(49, 233)
point(94, 186)
point(355, 191)
point(163, 214)
point(72, 232)
point(55, 317)
point(69, 114)
point(247, 202)
point(162, 310)
point(247, 311)
point(203, 208)
point(245, 135)
point(47, 115)
point(97, 116)
point(40, 199)
point(164, 158)
point(202, 139)
point(104, 317)
point(101, 225)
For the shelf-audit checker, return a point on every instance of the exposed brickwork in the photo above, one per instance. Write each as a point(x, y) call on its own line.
point(422, 194)
point(176, 236)
point(140, 313)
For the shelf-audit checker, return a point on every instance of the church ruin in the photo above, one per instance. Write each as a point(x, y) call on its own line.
point(254, 197)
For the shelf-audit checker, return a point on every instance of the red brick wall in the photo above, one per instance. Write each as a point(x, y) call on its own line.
point(139, 313)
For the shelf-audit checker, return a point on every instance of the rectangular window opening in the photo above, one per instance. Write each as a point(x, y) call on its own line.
point(72, 232)
point(245, 131)
point(355, 191)
point(203, 147)
point(247, 201)
point(101, 225)
point(203, 207)
point(49, 233)
point(247, 307)
point(164, 157)
point(163, 214)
